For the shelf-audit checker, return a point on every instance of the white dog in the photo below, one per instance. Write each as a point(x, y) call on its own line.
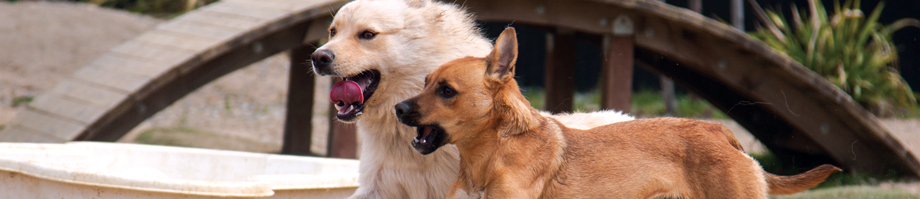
point(383, 49)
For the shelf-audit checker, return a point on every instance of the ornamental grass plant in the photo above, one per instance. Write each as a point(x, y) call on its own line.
point(848, 48)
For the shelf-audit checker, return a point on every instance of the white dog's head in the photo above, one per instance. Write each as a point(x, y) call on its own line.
point(384, 48)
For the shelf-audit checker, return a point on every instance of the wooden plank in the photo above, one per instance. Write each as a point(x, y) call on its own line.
point(16, 134)
point(200, 30)
point(153, 53)
point(206, 47)
point(319, 29)
point(87, 94)
point(69, 109)
point(118, 81)
point(585, 16)
point(285, 6)
point(560, 71)
point(227, 8)
point(185, 42)
point(616, 76)
point(298, 121)
point(228, 21)
point(47, 125)
point(116, 62)
point(309, 5)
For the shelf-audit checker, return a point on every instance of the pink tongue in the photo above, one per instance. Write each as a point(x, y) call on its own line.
point(426, 132)
point(348, 92)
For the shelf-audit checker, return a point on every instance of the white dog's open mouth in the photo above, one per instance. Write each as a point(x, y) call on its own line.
point(350, 94)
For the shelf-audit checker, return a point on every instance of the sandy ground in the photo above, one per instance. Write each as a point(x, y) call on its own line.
point(43, 43)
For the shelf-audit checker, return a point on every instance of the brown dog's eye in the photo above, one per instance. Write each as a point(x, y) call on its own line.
point(332, 32)
point(447, 92)
point(367, 35)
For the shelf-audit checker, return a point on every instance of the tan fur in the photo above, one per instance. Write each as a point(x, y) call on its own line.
point(510, 150)
point(414, 37)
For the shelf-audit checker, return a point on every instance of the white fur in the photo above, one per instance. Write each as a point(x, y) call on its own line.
point(759, 173)
point(415, 37)
point(586, 121)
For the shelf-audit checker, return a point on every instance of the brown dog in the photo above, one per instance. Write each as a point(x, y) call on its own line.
point(508, 150)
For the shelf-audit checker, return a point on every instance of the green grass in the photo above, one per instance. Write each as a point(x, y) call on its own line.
point(644, 104)
point(852, 192)
point(160, 136)
point(535, 96)
point(22, 100)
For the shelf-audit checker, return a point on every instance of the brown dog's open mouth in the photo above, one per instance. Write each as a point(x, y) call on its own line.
point(429, 139)
point(350, 94)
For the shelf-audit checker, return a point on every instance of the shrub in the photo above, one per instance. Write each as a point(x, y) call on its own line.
point(849, 49)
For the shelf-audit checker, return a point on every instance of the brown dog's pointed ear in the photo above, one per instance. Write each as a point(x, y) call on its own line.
point(503, 57)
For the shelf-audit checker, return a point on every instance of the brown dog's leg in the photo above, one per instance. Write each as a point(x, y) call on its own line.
point(780, 185)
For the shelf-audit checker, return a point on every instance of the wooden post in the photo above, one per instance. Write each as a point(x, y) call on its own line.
point(560, 71)
point(616, 75)
point(695, 5)
point(737, 14)
point(667, 85)
point(299, 115)
point(343, 140)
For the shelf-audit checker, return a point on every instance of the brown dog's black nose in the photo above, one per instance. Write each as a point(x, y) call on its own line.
point(405, 114)
point(402, 109)
point(322, 61)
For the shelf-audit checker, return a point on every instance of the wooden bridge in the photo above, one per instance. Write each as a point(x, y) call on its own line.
point(794, 112)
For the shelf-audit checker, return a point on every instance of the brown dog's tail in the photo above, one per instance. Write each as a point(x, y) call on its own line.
point(779, 185)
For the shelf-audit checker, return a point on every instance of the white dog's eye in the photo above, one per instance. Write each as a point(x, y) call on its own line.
point(332, 32)
point(367, 35)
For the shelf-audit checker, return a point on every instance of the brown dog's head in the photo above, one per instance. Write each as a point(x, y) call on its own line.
point(467, 97)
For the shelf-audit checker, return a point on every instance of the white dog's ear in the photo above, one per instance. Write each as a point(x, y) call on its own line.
point(503, 57)
point(418, 3)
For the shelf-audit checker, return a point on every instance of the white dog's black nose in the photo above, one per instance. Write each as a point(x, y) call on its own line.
point(322, 61)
